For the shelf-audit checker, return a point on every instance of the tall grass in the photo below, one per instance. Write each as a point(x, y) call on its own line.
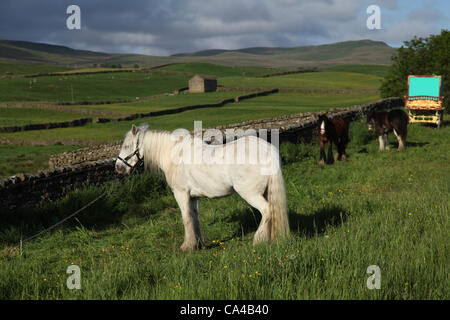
point(387, 209)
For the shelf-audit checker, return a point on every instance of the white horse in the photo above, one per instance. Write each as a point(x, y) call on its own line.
point(220, 171)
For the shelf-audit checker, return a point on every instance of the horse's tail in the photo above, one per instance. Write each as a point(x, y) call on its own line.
point(276, 197)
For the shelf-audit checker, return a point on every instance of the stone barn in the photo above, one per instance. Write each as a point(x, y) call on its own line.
point(200, 83)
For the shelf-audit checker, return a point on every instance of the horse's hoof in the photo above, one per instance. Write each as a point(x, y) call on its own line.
point(186, 247)
point(321, 162)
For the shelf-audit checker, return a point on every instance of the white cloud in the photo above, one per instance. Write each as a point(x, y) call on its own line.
point(171, 26)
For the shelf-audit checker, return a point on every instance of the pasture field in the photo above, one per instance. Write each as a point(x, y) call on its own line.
point(222, 71)
point(94, 70)
point(262, 107)
point(314, 80)
point(20, 68)
point(166, 102)
point(23, 116)
point(113, 86)
point(89, 87)
point(27, 159)
point(387, 209)
point(377, 70)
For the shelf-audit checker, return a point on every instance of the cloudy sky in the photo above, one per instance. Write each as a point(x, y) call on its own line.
point(164, 27)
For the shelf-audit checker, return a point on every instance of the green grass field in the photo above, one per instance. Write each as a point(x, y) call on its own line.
point(95, 87)
point(262, 107)
point(166, 102)
point(222, 71)
point(23, 116)
point(113, 86)
point(312, 80)
point(387, 209)
point(377, 70)
point(27, 159)
point(20, 68)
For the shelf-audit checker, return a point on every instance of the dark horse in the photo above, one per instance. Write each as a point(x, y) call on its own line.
point(385, 122)
point(332, 131)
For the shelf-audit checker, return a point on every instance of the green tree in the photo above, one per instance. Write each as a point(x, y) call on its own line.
point(420, 56)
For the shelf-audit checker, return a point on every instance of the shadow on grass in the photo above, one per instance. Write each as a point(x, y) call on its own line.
point(301, 225)
point(444, 123)
point(316, 223)
point(413, 144)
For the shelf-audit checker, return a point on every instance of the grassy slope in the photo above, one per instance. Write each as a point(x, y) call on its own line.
point(17, 68)
point(364, 51)
point(314, 80)
point(27, 158)
point(221, 71)
point(349, 52)
point(130, 85)
point(23, 116)
point(166, 102)
point(306, 102)
point(47, 54)
point(96, 87)
point(278, 105)
point(264, 107)
point(377, 70)
point(388, 209)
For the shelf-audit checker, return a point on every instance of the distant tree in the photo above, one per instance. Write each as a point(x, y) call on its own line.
point(420, 56)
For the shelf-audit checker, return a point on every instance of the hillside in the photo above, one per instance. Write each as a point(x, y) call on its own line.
point(355, 52)
point(349, 52)
point(41, 52)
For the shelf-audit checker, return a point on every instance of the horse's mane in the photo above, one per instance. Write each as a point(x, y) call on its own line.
point(158, 147)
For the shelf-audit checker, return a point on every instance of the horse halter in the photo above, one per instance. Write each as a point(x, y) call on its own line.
point(137, 164)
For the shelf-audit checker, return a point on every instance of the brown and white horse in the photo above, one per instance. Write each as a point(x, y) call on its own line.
point(332, 131)
point(385, 122)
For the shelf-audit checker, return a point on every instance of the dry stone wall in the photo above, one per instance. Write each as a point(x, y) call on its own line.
point(50, 125)
point(52, 184)
point(76, 169)
point(288, 72)
point(186, 108)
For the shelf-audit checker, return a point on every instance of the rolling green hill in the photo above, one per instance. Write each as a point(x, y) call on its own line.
point(349, 52)
point(354, 52)
point(20, 68)
point(46, 53)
